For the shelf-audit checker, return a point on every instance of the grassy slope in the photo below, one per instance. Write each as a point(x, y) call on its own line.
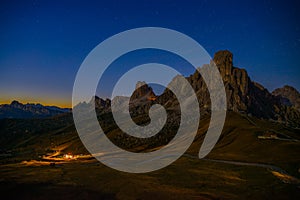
point(185, 179)
point(239, 142)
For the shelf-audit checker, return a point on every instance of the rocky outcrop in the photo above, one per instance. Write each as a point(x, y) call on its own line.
point(223, 60)
point(288, 96)
point(236, 81)
point(245, 95)
point(101, 103)
point(143, 92)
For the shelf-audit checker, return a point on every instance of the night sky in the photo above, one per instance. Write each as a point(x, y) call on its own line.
point(43, 43)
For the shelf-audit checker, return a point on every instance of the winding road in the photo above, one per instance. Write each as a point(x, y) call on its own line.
point(280, 173)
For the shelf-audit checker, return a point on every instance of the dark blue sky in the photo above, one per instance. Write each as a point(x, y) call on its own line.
point(43, 43)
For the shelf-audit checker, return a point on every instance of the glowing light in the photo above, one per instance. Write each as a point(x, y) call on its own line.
point(69, 156)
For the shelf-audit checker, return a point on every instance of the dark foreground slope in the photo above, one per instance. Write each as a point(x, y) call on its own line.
point(188, 177)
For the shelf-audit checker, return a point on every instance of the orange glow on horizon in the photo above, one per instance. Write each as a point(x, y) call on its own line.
point(45, 102)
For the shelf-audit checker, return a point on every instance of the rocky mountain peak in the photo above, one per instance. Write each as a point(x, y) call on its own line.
point(142, 90)
point(236, 81)
point(224, 61)
point(100, 103)
point(140, 84)
point(243, 94)
point(16, 104)
point(223, 57)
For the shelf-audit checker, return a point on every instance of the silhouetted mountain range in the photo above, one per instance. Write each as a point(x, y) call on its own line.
point(243, 94)
point(29, 110)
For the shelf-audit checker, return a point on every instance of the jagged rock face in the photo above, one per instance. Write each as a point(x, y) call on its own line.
point(261, 103)
point(236, 81)
point(143, 92)
point(141, 99)
point(101, 103)
point(223, 60)
point(288, 96)
point(243, 95)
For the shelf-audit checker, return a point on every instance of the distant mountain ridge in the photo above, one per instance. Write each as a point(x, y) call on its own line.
point(18, 110)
